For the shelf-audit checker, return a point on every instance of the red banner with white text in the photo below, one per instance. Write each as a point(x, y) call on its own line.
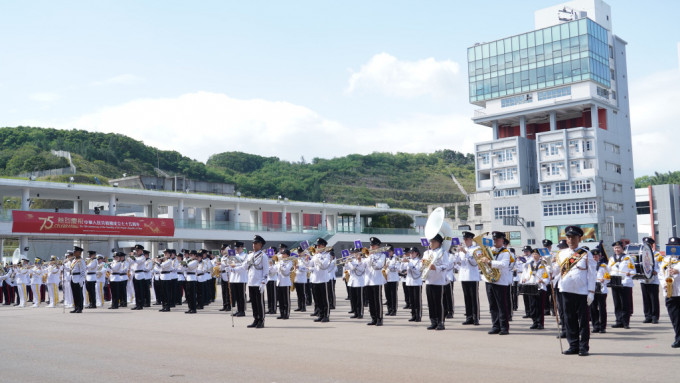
point(63, 223)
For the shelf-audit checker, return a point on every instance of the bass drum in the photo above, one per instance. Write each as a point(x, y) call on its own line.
point(644, 263)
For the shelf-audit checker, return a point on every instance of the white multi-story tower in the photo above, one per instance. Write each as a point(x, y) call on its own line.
point(557, 101)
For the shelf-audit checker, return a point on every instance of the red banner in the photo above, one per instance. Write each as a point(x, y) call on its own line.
point(63, 223)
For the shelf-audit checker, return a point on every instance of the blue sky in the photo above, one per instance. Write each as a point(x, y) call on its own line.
point(303, 78)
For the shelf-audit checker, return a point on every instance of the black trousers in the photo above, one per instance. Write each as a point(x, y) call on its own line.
point(159, 290)
point(435, 302)
point(271, 297)
point(560, 309)
point(147, 292)
point(331, 294)
point(257, 303)
point(598, 312)
point(139, 286)
point(621, 304)
point(407, 296)
point(471, 297)
point(319, 290)
point(391, 289)
point(537, 307)
point(550, 309)
point(226, 295)
point(673, 307)
point(415, 294)
point(308, 294)
point(374, 297)
point(515, 296)
point(357, 300)
point(499, 306)
point(190, 291)
point(527, 311)
point(577, 315)
point(200, 295)
point(91, 297)
point(168, 292)
point(179, 289)
point(301, 290)
point(212, 287)
point(5, 292)
point(448, 299)
point(123, 293)
point(650, 300)
point(238, 295)
point(283, 297)
point(115, 294)
point(77, 296)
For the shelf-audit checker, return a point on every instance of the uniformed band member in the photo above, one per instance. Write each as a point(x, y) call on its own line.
point(670, 270)
point(598, 309)
point(550, 307)
point(536, 273)
point(468, 274)
point(139, 260)
point(318, 278)
point(224, 278)
point(258, 271)
point(577, 286)
point(167, 268)
point(436, 280)
point(77, 271)
point(527, 250)
point(356, 282)
point(91, 278)
point(238, 278)
point(375, 280)
point(301, 270)
point(449, 302)
point(115, 280)
point(272, 281)
point(191, 265)
point(622, 265)
point(283, 268)
point(498, 293)
point(650, 288)
point(392, 285)
point(412, 266)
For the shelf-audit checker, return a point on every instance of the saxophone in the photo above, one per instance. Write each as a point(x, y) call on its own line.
point(669, 279)
point(491, 274)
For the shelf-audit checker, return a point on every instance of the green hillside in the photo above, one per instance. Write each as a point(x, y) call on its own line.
point(401, 180)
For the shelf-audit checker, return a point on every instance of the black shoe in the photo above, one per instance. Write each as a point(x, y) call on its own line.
point(73, 311)
point(533, 327)
point(407, 307)
point(379, 322)
point(494, 331)
point(626, 326)
point(467, 322)
point(372, 323)
point(540, 327)
point(432, 326)
point(360, 317)
point(199, 307)
point(562, 336)
point(113, 308)
point(570, 352)
point(325, 320)
point(157, 303)
point(647, 320)
point(676, 344)
point(318, 319)
point(449, 316)
point(260, 325)
point(354, 316)
point(603, 331)
point(350, 312)
point(297, 310)
point(617, 325)
point(525, 317)
point(135, 308)
point(303, 310)
point(417, 319)
point(655, 320)
point(254, 324)
point(123, 305)
point(504, 332)
point(279, 317)
point(440, 327)
point(583, 353)
point(413, 319)
point(476, 323)
point(79, 311)
point(314, 314)
point(223, 309)
point(147, 305)
point(595, 331)
point(91, 307)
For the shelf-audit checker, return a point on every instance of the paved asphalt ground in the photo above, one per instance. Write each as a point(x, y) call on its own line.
point(100, 345)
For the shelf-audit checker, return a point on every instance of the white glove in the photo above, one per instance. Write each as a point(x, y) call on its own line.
point(262, 288)
point(591, 297)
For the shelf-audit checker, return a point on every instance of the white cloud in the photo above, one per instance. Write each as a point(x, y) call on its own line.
point(386, 74)
point(201, 124)
point(123, 79)
point(44, 96)
point(654, 120)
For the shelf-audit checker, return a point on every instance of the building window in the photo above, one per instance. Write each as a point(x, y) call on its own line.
point(611, 52)
point(553, 168)
point(551, 149)
point(531, 241)
point(576, 165)
point(613, 206)
point(642, 207)
point(517, 100)
point(546, 189)
point(613, 77)
point(554, 93)
point(506, 174)
point(505, 193)
point(602, 92)
point(479, 226)
point(531, 223)
point(613, 95)
point(484, 158)
point(587, 145)
point(569, 208)
point(613, 167)
point(575, 144)
point(505, 211)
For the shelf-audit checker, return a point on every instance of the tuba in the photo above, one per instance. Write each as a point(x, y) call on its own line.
point(436, 225)
point(491, 274)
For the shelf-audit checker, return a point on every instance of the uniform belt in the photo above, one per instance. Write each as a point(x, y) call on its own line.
point(139, 271)
point(91, 273)
point(190, 273)
point(166, 272)
point(75, 273)
point(199, 274)
point(118, 273)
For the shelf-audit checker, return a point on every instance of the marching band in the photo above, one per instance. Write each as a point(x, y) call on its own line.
point(578, 278)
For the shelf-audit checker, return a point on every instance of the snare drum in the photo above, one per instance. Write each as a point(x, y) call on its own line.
point(615, 281)
point(528, 289)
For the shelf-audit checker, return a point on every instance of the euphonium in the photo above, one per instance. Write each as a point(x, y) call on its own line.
point(293, 273)
point(490, 273)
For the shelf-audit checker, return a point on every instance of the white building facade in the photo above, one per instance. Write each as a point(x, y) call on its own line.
point(556, 99)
